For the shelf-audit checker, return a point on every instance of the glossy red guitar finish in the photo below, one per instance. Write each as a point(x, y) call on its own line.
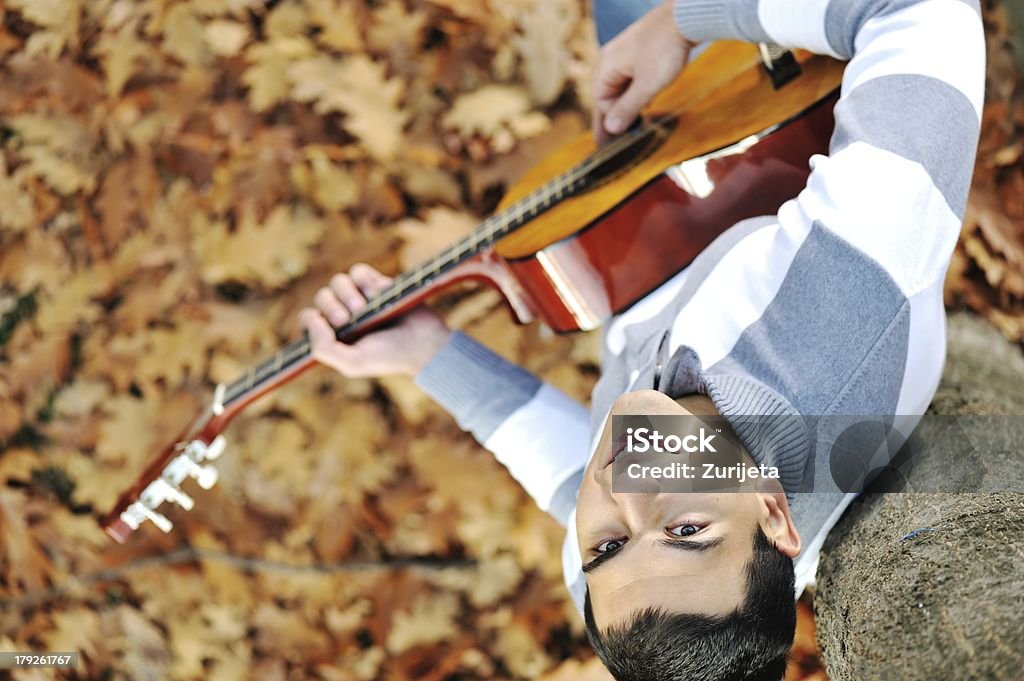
point(580, 281)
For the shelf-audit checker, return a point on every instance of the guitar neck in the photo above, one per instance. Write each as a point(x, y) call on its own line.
point(294, 357)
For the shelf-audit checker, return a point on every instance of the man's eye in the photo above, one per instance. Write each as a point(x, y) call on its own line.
point(684, 530)
point(610, 546)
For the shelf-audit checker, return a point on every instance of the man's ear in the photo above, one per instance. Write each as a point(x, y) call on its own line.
point(778, 523)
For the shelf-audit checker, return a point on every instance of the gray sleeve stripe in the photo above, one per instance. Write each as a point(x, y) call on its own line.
point(834, 304)
point(844, 18)
point(944, 123)
point(701, 20)
point(477, 387)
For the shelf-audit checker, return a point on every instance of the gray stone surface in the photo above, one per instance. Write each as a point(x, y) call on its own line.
point(930, 586)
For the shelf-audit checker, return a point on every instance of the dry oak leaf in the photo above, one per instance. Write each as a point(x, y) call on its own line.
point(73, 630)
point(281, 631)
point(171, 354)
point(73, 302)
point(430, 619)
point(330, 185)
point(267, 75)
point(287, 19)
point(19, 212)
point(523, 654)
point(127, 432)
point(226, 38)
point(184, 37)
point(122, 54)
point(546, 28)
point(58, 150)
point(269, 254)
point(23, 564)
point(357, 87)
point(487, 110)
point(59, 20)
point(394, 27)
point(425, 238)
point(338, 21)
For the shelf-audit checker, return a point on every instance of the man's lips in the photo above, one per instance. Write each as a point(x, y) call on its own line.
point(617, 447)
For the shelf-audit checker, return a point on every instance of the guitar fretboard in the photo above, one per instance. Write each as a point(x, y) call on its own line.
point(484, 236)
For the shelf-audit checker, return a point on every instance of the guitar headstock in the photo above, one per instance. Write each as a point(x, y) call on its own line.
point(188, 457)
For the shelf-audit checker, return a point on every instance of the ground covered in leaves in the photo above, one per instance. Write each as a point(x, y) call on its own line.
point(176, 180)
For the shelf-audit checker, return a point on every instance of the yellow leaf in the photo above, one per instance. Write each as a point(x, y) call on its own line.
point(127, 433)
point(25, 566)
point(58, 150)
point(430, 619)
point(357, 87)
point(339, 24)
point(184, 38)
point(172, 354)
point(287, 20)
point(329, 185)
point(226, 38)
point(121, 53)
point(59, 18)
point(487, 110)
point(546, 28)
point(18, 213)
point(267, 75)
point(396, 28)
point(425, 238)
point(270, 254)
point(73, 302)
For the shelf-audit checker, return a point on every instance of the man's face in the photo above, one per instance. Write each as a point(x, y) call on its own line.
point(682, 552)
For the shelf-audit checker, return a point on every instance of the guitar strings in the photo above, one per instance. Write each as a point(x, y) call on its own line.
point(548, 195)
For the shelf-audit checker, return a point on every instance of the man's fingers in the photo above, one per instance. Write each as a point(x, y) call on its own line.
point(347, 292)
point(332, 308)
point(325, 346)
point(369, 280)
point(625, 110)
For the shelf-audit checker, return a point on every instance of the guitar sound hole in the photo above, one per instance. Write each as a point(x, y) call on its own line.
point(628, 149)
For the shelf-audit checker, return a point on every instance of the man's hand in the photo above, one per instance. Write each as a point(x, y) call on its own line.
point(402, 349)
point(634, 67)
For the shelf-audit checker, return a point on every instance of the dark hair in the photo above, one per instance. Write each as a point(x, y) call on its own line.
point(749, 644)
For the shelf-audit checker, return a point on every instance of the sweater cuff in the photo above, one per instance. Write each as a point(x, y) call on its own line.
point(771, 429)
point(704, 20)
point(476, 386)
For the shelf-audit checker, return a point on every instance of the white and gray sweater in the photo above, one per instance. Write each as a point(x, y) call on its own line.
point(831, 307)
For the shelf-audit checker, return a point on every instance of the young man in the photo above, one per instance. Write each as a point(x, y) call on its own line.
point(830, 309)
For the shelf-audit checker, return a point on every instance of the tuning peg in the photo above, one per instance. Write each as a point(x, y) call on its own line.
point(168, 492)
point(137, 512)
point(216, 448)
point(205, 476)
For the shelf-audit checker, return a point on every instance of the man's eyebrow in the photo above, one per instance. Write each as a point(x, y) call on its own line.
point(690, 546)
point(698, 546)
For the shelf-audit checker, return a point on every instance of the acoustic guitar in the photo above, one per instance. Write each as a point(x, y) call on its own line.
point(585, 234)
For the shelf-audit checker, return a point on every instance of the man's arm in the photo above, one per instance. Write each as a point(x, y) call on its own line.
point(533, 429)
point(536, 431)
point(838, 308)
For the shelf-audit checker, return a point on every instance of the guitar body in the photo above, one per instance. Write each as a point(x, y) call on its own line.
point(739, 149)
point(582, 236)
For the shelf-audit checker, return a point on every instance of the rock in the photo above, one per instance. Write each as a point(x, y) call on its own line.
point(930, 585)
